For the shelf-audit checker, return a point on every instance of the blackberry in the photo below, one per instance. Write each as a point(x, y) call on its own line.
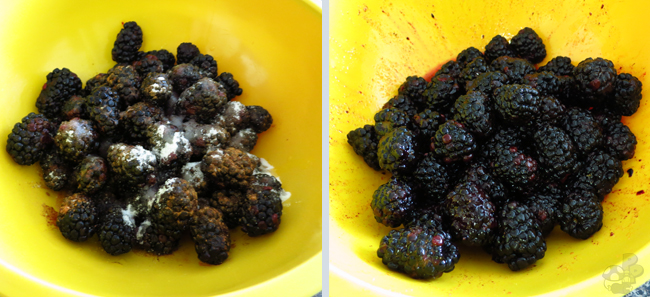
point(211, 236)
point(125, 82)
point(498, 47)
point(185, 52)
point(156, 89)
point(419, 252)
point(581, 214)
point(202, 100)
point(503, 139)
point(90, 175)
point(168, 60)
point(117, 231)
point(245, 140)
point(471, 214)
point(479, 174)
point(175, 203)
point(546, 83)
point(517, 170)
point(393, 202)
point(75, 107)
point(191, 172)
point(473, 69)
point(148, 64)
point(75, 139)
point(518, 241)
point(453, 142)
point(545, 206)
point(263, 206)
point(619, 141)
point(231, 204)
point(234, 116)
point(77, 217)
point(475, 112)
point(60, 86)
point(260, 119)
point(131, 164)
point(600, 174)
point(404, 104)
point(556, 153)
point(514, 68)
point(138, 117)
point(441, 92)
point(227, 80)
point(103, 109)
point(468, 55)
point(594, 81)
point(627, 95)
point(397, 151)
point(94, 82)
point(432, 178)
point(364, 142)
point(153, 239)
point(389, 119)
point(517, 103)
point(127, 44)
point(559, 66)
point(412, 88)
point(183, 76)
point(583, 129)
point(29, 138)
point(528, 45)
point(229, 167)
point(169, 145)
point(427, 122)
point(205, 138)
point(551, 110)
point(450, 68)
point(205, 63)
point(487, 83)
point(56, 171)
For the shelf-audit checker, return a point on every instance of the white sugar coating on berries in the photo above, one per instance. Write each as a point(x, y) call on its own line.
point(179, 145)
point(192, 173)
point(159, 87)
point(144, 200)
point(284, 195)
point(142, 156)
point(166, 188)
point(266, 168)
point(141, 230)
point(177, 120)
point(234, 109)
point(128, 215)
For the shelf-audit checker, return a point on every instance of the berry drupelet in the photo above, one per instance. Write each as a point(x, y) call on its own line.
point(393, 202)
point(30, 138)
point(77, 217)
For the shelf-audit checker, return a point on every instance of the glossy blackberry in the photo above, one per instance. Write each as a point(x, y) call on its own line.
point(227, 80)
point(594, 81)
point(364, 142)
point(156, 89)
point(263, 206)
point(211, 235)
point(453, 142)
point(231, 204)
point(148, 64)
point(137, 118)
point(475, 112)
point(514, 68)
point(420, 252)
point(205, 137)
point(450, 68)
point(56, 170)
point(545, 206)
point(175, 203)
point(431, 179)
point(103, 109)
point(403, 103)
point(503, 139)
point(60, 86)
point(244, 140)
point(518, 104)
point(203, 100)
point(619, 141)
point(487, 83)
point(117, 231)
point(518, 241)
point(233, 117)
point(76, 139)
point(131, 164)
point(441, 92)
point(125, 82)
point(584, 130)
point(471, 214)
point(581, 214)
point(473, 69)
point(389, 119)
point(559, 66)
point(498, 47)
point(229, 167)
point(528, 45)
point(183, 76)
point(77, 217)
point(627, 95)
point(600, 173)
point(75, 107)
point(468, 55)
point(517, 170)
point(397, 151)
point(30, 138)
point(186, 51)
point(556, 153)
point(94, 82)
point(546, 83)
point(168, 60)
point(479, 174)
point(412, 88)
point(260, 119)
point(427, 122)
point(169, 145)
point(206, 63)
point(393, 202)
point(127, 44)
point(91, 175)
point(551, 110)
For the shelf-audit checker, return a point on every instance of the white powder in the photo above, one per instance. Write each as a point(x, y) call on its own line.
point(284, 195)
point(235, 108)
point(142, 156)
point(264, 168)
point(192, 173)
point(128, 215)
point(167, 187)
point(142, 229)
point(177, 120)
point(176, 146)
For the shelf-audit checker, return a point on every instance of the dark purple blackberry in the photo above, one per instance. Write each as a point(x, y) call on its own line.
point(431, 179)
point(518, 240)
point(148, 64)
point(487, 83)
point(627, 95)
point(545, 206)
point(75, 107)
point(30, 138)
point(473, 69)
point(518, 104)
point(186, 51)
point(404, 104)
point(413, 87)
point(389, 119)
point(594, 81)
point(471, 214)
point(56, 171)
point(206, 63)
point(76, 139)
point(559, 66)
point(498, 47)
point(229, 167)
point(60, 86)
point(175, 203)
point(551, 111)
point(503, 139)
point(94, 82)
point(583, 129)
point(137, 118)
point(528, 45)
point(393, 202)
point(117, 231)
point(211, 235)
point(244, 140)
point(168, 60)
point(517, 170)
point(77, 217)
point(231, 204)
point(152, 238)
point(479, 173)
point(514, 68)
point(453, 142)
point(421, 252)
point(131, 164)
point(156, 89)
point(90, 175)
point(169, 145)
point(260, 118)
point(546, 83)
point(427, 122)
point(233, 117)
point(475, 112)
point(600, 173)
point(232, 86)
point(183, 76)
point(263, 206)
point(203, 100)
point(125, 82)
point(468, 55)
point(556, 153)
point(619, 141)
point(397, 151)
point(364, 142)
point(581, 214)
point(441, 92)
point(127, 44)
point(450, 68)
point(103, 109)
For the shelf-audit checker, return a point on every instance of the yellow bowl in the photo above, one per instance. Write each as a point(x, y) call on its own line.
point(376, 44)
point(272, 47)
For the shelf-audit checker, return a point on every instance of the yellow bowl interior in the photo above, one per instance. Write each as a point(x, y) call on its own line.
point(375, 45)
point(272, 47)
